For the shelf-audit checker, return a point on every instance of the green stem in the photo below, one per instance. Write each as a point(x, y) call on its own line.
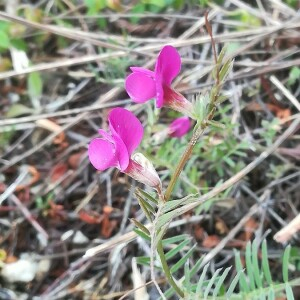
point(188, 151)
point(185, 157)
point(166, 269)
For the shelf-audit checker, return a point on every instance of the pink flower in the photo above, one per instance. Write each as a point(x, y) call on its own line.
point(115, 147)
point(143, 84)
point(179, 127)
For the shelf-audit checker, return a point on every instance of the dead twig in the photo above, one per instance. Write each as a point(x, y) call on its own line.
point(287, 232)
point(24, 172)
point(27, 214)
point(285, 91)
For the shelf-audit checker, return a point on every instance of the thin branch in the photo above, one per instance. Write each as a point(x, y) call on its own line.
point(29, 216)
point(285, 91)
point(13, 186)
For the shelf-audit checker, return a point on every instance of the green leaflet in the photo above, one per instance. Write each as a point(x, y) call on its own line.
point(177, 249)
point(174, 239)
point(140, 226)
point(183, 260)
point(146, 195)
point(142, 234)
point(172, 204)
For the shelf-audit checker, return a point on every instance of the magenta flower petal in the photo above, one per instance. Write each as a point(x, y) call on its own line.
point(121, 153)
point(159, 90)
point(168, 64)
point(179, 127)
point(127, 127)
point(106, 136)
point(142, 70)
point(102, 154)
point(140, 87)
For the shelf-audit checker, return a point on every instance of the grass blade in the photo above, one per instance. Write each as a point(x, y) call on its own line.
point(256, 270)
point(201, 280)
point(285, 264)
point(242, 282)
point(211, 283)
point(233, 284)
point(265, 263)
point(249, 266)
point(220, 282)
point(289, 292)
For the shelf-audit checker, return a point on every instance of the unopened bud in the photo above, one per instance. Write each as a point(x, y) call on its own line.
point(142, 170)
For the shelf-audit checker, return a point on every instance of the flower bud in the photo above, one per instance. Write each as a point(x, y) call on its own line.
point(142, 170)
point(179, 127)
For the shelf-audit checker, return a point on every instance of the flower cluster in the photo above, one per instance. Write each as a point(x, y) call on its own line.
point(143, 84)
point(115, 147)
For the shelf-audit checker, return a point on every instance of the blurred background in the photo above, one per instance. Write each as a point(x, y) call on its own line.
point(62, 69)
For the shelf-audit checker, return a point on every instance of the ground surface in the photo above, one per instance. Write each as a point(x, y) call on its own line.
point(63, 65)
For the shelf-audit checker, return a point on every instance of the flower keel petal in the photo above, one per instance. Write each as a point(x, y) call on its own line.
point(102, 154)
point(122, 153)
point(140, 87)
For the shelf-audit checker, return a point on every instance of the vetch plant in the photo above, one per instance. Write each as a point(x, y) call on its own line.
point(115, 149)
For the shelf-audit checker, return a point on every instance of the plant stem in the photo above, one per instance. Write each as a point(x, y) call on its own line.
point(188, 151)
point(186, 155)
point(166, 269)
